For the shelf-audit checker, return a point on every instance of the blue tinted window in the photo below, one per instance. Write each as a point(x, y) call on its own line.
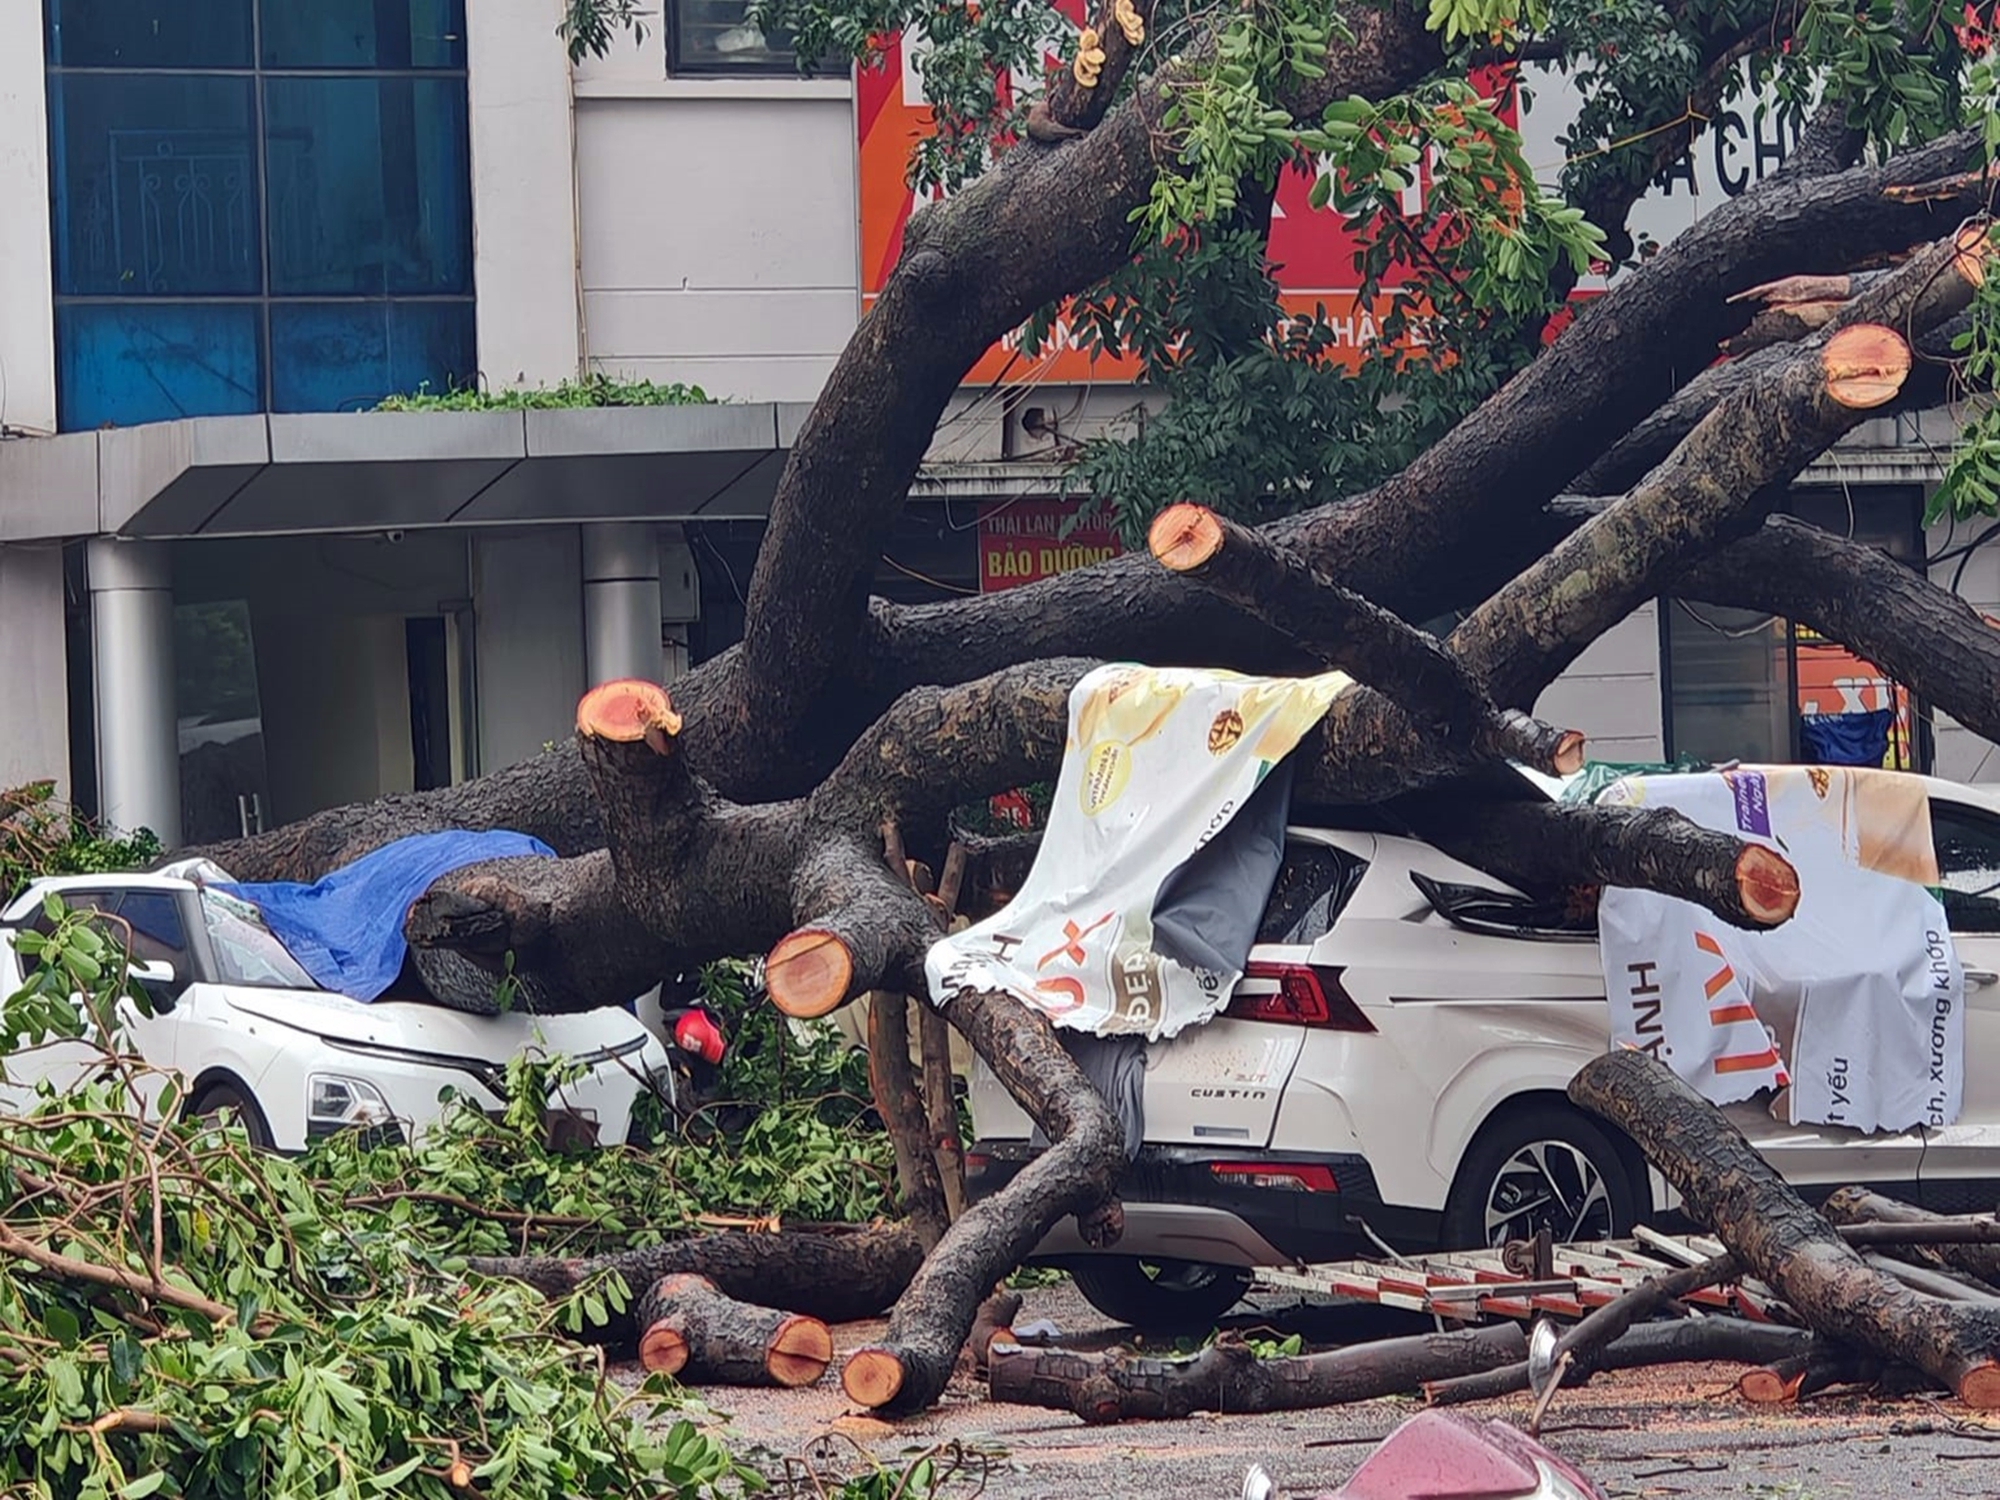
point(150, 33)
point(258, 205)
point(155, 185)
point(368, 186)
point(363, 34)
point(131, 362)
point(346, 356)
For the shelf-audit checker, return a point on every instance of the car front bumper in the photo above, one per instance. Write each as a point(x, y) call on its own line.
point(1185, 1203)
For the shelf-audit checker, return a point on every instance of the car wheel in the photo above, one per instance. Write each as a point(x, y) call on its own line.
point(232, 1099)
point(1542, 1165)
point(1160, 1296)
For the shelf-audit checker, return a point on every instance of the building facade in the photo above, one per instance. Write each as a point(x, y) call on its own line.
point(234, 593)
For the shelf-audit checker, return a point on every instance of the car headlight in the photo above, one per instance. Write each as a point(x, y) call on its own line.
point(333, 1101)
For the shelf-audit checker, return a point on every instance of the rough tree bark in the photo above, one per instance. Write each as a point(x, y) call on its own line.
point(908, 1370)
point(835, 1276)
point(1228, 1376)
point(1684, 1341)
point(692, 1330)
point(1853, 1207)
point(1775, 1236)
point(1537, 845)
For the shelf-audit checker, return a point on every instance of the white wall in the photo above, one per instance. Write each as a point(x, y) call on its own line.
point(1612, 691)
point(719, 225)
point(27, 325)
point(1961, 754)
point(523, 193)
point(34, 728)
point(527, 588)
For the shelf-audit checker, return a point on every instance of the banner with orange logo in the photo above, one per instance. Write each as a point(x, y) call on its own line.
point(1855, 1006)
point(1160, 764)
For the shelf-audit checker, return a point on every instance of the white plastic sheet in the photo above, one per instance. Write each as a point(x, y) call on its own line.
point(1159, 760)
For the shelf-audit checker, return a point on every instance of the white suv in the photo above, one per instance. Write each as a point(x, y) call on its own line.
point(250, 1032)
point(1391, 1071)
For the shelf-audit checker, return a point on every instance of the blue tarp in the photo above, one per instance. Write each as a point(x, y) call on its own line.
point(346, 930)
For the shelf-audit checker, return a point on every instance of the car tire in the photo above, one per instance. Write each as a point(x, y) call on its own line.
point(1160, 1296)
point(1540, 1164)
point(230, 1097)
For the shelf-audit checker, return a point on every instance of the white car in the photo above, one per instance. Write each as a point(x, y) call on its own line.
point(1389, 1075)
point(248, 1030)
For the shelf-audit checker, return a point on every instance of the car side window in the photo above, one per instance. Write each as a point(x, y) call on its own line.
point(1314, 883)
point(154, 918)
point(157, 930)
point(1968, 853)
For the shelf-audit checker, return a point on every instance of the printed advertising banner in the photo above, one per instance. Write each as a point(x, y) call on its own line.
point(1856, 1005)
point(1159, 765)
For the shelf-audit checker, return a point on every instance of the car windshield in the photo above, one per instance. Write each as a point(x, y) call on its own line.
point(246, 951)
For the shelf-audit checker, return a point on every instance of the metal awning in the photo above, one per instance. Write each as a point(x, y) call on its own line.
point(375, 471)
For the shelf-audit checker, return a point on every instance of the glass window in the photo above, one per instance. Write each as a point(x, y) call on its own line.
point(1313, 885)
point(346, 356)
point(718, 36)
point(362, 34)
point(1730, 674)
point(128, 362)
point(155, 185)
point(244, 192)
point(1968, 852)
point(367, 186)
point(150, 33)
point(246, 951)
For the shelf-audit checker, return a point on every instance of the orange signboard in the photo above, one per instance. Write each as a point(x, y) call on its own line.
point(1311, 248)
point(1833, 680)
point(1022, 541)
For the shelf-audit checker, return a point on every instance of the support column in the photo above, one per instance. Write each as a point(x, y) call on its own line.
point(621, 601)
point(132, 652)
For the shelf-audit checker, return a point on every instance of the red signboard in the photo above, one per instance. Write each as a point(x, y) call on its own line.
point(1022, 541)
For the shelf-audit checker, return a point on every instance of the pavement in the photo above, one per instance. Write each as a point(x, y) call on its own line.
point(1677, 1431)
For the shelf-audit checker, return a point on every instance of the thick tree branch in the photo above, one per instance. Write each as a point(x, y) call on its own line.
point(1539, 846)
point(1427, 684)
point(1761, 436)
point(1781, 1241)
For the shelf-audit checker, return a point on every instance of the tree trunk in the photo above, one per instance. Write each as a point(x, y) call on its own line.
point(1771, 1231)
point(691, 1330)
point(1229, 1377)
point(1077, 1174)
point(1684, 1341)
point(1821, 1366)
point(1538, 845)
point(995, 1320)
point(1853, 1207)
point(837, 1276)
point(902, 1112)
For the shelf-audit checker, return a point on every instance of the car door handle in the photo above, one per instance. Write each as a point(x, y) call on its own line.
point(1979, 979)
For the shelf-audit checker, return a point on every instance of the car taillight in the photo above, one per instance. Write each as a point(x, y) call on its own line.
point(1301, 1177)
point(1296, 995)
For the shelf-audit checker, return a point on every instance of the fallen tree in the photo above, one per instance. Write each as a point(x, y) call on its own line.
point(747, 812)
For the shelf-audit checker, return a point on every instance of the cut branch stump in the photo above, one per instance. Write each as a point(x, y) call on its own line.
point(705, 1338)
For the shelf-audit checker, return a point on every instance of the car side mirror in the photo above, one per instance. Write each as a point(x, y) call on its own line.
point(155, 976)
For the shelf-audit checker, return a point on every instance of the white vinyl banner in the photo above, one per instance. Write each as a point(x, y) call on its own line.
point(1855, 1004)
point(1157, 763)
